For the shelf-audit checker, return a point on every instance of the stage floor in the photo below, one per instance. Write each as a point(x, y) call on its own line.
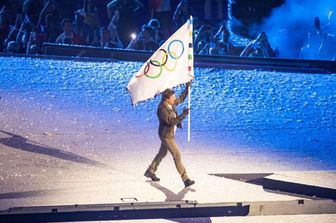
point(58, 150)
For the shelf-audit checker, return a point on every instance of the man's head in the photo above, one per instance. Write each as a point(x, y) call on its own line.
point(104, 34)
point(185, 6)
point(154, 23)
point(67, 25)
point(147, 32)
point(168, 95)
point(50, 21)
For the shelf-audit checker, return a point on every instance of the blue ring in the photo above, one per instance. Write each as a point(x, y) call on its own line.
point(176, 40)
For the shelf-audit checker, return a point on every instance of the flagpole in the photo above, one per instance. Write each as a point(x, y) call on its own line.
point(189, 87)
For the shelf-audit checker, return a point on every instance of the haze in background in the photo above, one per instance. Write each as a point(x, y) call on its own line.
point(289, 24)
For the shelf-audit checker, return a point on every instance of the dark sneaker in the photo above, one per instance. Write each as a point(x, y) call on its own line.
point(188, 182)
point(151, 175)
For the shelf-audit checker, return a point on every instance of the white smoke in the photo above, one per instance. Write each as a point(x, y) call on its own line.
point(288, 25)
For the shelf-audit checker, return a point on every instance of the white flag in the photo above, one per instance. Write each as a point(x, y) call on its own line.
point(171, 65)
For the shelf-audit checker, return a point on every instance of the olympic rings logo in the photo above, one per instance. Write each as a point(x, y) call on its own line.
point(168, 61)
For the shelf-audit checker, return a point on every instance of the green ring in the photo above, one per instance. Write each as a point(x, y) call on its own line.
point(157, 75)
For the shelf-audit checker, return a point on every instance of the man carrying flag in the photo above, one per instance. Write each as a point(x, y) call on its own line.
point(169, 66)
point(169, 120)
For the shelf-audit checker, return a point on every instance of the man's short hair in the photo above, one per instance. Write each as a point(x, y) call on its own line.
point(65, 21)
point(154, 23)
point(148, 29)
point(50, 17)
point(166, 94)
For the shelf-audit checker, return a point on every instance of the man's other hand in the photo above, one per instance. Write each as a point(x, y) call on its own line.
point(186, 111)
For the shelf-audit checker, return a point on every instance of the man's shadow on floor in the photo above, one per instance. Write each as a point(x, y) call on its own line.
point(171, 196)
point(29, 194)
point(24, 144)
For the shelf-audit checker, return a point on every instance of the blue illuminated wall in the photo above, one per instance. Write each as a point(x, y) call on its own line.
point(260, 110)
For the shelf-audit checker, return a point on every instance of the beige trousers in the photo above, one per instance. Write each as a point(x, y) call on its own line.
point(169, 144)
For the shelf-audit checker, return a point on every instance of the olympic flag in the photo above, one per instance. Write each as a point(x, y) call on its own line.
point(171, 65)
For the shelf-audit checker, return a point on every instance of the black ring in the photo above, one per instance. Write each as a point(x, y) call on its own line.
point(166, 55)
